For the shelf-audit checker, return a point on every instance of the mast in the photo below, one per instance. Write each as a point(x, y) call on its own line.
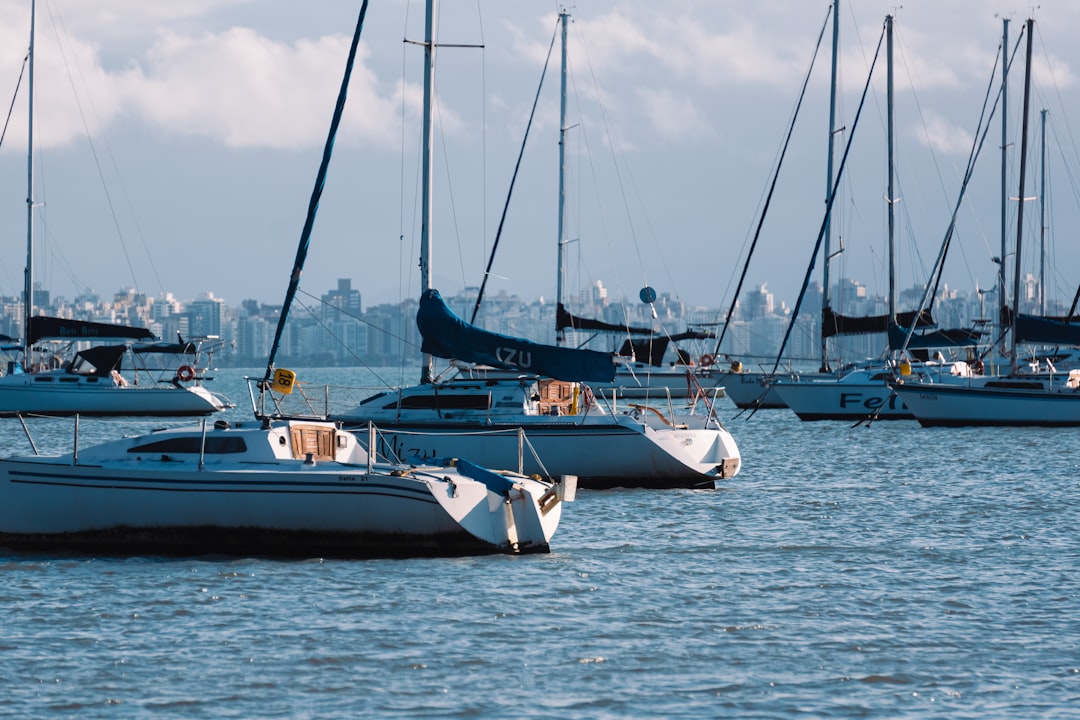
point(1020, 202)
point(427, 368)
point(1042, 215)
point(1003, 302)
point(891, 198)
point(560, 337)
point(826, 300)
point(28, 280)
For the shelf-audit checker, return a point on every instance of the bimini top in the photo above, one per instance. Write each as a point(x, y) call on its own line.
point(43, 326)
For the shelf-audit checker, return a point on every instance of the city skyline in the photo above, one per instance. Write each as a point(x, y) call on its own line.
point(337, 328)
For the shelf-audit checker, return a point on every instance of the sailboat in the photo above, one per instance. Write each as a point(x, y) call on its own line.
point(1015, 399)
point(275, 486)
point(754, 389)
point(92, 382)
point(863, 391)
point(549, 398)
point(642, 371)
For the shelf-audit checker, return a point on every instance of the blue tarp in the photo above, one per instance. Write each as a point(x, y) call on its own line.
point(448, 336)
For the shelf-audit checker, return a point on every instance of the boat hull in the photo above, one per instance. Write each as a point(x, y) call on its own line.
point(838, 400)
point(123, 497)
point(65, 395)
point(602, 455)
point(749, 391)
point(974, 405)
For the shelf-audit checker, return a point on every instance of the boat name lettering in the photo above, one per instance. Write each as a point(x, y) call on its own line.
point(513, 356)
point(348, 478)
point(872, 402)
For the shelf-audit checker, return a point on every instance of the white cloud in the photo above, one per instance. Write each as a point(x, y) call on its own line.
point(672, 114)
point(249, 91)
point(943, 136)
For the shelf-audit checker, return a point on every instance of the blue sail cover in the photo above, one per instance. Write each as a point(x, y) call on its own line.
point(950, 337)
point(446, 335)
point(1047, 330)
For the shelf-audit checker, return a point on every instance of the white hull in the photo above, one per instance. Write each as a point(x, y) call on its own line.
point(602, 455)
point(755, 390)
point(993, 401)
point(863, 393)
point(58, 393)
point(853, 397)
point(258, 493)
point(480, 419)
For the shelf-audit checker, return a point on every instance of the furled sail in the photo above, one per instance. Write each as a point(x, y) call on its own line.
point(651, 350)
point(446, 335)
point(566, 321)
point(1047, 330)
point(950, 337)
point(833, 323)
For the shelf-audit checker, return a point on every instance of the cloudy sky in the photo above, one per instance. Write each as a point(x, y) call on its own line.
point(177, 144)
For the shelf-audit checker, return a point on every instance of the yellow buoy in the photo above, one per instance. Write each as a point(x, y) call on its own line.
point(283, 381)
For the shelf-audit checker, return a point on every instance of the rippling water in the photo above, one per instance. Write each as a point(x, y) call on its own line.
point(873, 572)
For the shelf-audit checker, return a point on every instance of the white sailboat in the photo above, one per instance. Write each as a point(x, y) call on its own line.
point(863, 391)
point(274, 486)
point(563, 420)
point(1019, 398)
point(754, 389)
point(92, 382)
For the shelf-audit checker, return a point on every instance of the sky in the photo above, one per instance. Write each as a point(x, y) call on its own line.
point(177, 144)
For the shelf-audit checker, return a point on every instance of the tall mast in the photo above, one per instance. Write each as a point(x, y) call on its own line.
point(28, 280)
point(1042, 216)
point(1002, 297)
point(1020, 201)
point(560, 337)
point(427, 370)
point(826, 300)
point(891, 199)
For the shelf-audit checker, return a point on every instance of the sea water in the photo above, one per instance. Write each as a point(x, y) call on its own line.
point(886, 571)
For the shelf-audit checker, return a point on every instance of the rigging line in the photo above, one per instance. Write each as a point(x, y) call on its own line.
point(772, 186)
point(93, 147)
point(403, 267)
point(119, 177)
point(513, 178)
point(483, 127)
point(938, 270)
point(602, 215)
point(926, 137)
point(7, 121)
point(1068, 169)
point(1057, 92)
point(614, 159)
point(316, 194)
point(931, 289)
point(14, 96)
point(340, 342)
point(450, 190)
point(972, 158)
point(829, 204)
